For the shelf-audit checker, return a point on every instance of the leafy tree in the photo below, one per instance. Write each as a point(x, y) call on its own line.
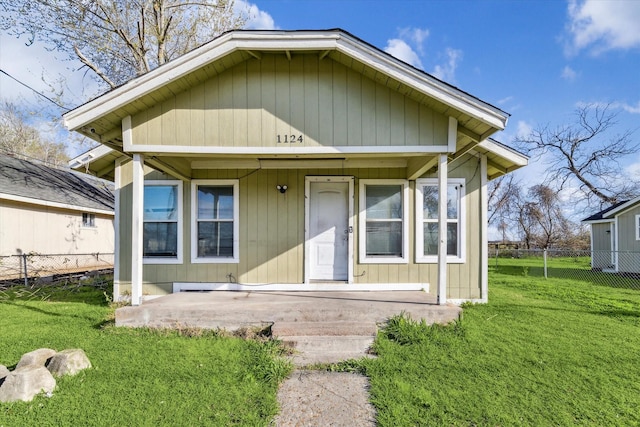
point(20, 139)
point(585, 154)
point(120, 39)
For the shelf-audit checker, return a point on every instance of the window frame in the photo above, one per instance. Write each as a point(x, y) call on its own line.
point(638, 227)
point(235, 259)
point(178, 259)
point(362, 222)
point(91, 223)
point(460, 258)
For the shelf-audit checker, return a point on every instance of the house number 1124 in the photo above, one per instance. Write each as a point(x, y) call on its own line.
point(289, 139)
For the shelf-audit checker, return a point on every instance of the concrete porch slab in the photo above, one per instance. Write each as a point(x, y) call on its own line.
point(232, 310)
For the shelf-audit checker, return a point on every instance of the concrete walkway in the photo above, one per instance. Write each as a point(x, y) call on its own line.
point(320, 398)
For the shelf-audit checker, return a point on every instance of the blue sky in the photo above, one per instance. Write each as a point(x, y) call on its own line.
point(537, 60)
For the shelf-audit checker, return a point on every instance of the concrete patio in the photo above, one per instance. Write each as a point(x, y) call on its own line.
point(322, 326)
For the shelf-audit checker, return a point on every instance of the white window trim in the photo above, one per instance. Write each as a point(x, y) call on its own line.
point(637, 227)
point(236, 221)
point(178, 258)
point(462, 220)
point(362, 232)
point(89, 215)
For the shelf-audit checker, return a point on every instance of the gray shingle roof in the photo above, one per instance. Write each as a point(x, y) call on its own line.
point(36, 180)
point(600, 215)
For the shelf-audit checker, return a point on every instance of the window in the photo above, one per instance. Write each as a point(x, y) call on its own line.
point(162, 222)
point(88, 219)
point(427, 220)
point(637, 227)
point(384, 228)
point(214, 221)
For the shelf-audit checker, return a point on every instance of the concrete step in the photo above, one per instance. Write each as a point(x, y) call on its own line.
point(331, 343)
point(326, 329)
point(326, 342)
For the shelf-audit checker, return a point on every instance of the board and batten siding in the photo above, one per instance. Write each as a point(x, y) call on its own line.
point(601, 244)
point(271, 241)
point(628, 246)
point(322, 102)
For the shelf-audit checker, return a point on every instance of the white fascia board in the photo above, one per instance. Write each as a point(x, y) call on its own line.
point(504, 152)
point(89, 156)
point(276, 41)
point(423, 82)
point(598, 221)
point(622, 208)
point(50, 204)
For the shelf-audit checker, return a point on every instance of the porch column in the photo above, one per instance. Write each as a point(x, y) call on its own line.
point(136, 229)
point(442, 228)
point(484, 238)
point(117, 181)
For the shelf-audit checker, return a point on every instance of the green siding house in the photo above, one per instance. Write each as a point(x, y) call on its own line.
point(296, 160)
point(615, 238)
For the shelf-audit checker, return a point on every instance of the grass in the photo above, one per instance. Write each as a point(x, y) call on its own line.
point(542, 352)
point(139, 377)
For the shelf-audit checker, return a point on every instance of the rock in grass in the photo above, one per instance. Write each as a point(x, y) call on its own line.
point(4, 371)
point(38, 357)
point(25, 383)
point(68, 362)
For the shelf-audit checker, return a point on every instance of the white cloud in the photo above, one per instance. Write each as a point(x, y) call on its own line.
point(447, 71)
point(603, 25)
point(505, 100)
point(633, 109)
point(523, 129)
point(633, 170)
point(417, 36)
point(258, 19)
point(401, 50)
point(568, 73)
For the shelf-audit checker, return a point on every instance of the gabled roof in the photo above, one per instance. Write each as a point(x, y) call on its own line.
point(36, 183)
point(101, 118)
point(612, 211)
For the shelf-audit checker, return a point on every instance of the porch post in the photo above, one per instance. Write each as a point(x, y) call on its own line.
point(136, 229)
point(442, 228)
point(484, 238)
point(117, 181)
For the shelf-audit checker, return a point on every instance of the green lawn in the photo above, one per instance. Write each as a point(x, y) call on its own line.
point(542, 352)
point(139, 377)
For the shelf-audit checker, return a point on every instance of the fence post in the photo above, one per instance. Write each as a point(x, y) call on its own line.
point(544, 256)
point(26, 275)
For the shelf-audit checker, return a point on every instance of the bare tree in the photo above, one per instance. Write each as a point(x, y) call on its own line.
point(120, 39)
point(21, 139)
point(550, 223)
point(501, 196)
point(585, 154)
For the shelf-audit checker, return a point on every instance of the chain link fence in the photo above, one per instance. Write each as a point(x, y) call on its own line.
point(619, 269)
point(37, 269)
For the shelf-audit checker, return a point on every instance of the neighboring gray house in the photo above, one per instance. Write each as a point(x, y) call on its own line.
point(48, 210)
point(615, 237)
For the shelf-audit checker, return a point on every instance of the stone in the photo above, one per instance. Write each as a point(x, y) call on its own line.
point(38, 357)
point(4, 371)
point(68, 362)
point(25, 383)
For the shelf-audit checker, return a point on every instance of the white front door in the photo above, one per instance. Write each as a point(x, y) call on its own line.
point(328, 234)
